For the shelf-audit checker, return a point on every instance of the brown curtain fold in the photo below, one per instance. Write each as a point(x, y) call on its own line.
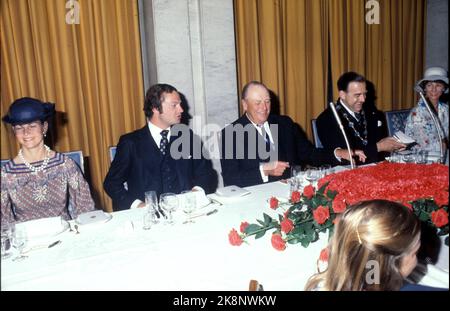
point(91, 70)
point(285, 44)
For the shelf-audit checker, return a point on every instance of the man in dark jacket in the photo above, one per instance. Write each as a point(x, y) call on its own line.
point(147, 159)
point(259, 147)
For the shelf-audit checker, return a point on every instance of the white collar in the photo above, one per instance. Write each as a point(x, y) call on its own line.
point(258, 127)
point(346, 108)
point(155, 131)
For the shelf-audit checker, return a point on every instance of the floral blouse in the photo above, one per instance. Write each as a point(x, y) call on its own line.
point(58, 190)
point(420, 126)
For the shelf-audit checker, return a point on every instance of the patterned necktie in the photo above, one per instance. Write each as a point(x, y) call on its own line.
point(164, 142)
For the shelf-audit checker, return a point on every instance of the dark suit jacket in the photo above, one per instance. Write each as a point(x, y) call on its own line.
point(331, 136)
point(138, 163)
point(291, 146)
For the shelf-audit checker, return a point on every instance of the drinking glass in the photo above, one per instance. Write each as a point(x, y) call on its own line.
point(189, 205)
point(19, 241)
point(168, 202)
point(325, 170)
point(151, 201)
point(6, 236)
point(312, 175)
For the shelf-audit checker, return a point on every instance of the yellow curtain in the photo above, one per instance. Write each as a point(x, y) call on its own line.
point(395, 52)
point(91, 70)
point(284, 44)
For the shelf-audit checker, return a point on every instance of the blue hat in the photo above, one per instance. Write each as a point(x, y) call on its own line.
point(26, 110)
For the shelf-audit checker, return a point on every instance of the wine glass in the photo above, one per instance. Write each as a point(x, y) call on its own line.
point(19, 241)
point(6, 236)
point(168, 202)
point(312, 175)
point(189, 204)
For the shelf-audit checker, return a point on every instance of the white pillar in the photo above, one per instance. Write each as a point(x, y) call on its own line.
point(190, 44)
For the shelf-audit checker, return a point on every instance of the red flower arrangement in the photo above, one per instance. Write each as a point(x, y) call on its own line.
point(421, 188)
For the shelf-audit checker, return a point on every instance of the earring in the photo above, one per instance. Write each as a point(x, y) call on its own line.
point(45, 134)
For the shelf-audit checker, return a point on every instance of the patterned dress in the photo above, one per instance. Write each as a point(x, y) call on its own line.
point(420, 126)
point(58, 190)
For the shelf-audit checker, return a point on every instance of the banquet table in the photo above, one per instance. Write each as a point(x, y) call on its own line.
point(120, 255)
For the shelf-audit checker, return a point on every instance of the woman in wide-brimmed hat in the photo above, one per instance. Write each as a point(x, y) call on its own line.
point(39, 182)
point(419, 124)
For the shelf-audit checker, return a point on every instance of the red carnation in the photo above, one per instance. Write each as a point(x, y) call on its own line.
point(273, 203)
point(308, 192)
point(441, 198)
point(278, 243)
point(244, 225)
point(234, 238)
point(287, 225)
point(439, 217)
point(339, 206)
point(321, 214)
point(324, 254)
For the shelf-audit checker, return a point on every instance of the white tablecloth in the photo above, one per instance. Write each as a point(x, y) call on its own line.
point(120, 255)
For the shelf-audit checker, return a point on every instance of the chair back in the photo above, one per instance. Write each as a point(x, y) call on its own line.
point(77, 156)
point(396, 120)
point(316, 138)
point(112, 152)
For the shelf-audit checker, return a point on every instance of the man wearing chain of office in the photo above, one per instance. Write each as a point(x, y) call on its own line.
point(364, 125)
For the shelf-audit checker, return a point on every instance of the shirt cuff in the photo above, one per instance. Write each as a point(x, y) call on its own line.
point(135, 204)
point(335, 155)
point(263, 176)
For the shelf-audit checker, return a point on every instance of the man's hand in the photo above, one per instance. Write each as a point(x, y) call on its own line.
point(389, 144)
point(343, 153)
point(275, 168)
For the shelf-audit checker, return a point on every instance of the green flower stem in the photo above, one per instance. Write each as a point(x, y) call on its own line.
point(257, 231)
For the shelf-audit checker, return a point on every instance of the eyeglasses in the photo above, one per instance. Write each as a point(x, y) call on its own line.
point(437, 85)
point(27, 128)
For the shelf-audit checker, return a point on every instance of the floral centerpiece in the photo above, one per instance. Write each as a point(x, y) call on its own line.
point(421, 188)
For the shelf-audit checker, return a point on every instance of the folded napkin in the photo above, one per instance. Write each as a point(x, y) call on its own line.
point(200, 197)
point(43, 227)
point(93, 217)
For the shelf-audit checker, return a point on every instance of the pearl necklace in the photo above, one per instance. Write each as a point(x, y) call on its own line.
point(36, 169)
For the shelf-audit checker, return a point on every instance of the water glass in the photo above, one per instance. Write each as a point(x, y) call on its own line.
point(148, 220)
point(151, 201)
point(312, 175)
point(296, 170)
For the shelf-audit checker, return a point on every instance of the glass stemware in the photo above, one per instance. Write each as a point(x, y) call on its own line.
point(151, 201)
point(19, 241)
point(312, 175)
point(6, 236)
point(189, 205)
point(168, 202)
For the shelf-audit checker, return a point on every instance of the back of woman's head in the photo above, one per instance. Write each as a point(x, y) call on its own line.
point(368, 245)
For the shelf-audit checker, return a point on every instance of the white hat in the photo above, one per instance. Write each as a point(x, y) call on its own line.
point(433, 74)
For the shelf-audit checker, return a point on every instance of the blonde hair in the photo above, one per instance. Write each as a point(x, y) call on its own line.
point(378, 230)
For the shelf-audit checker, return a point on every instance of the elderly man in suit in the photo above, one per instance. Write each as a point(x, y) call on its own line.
point(364, 127)
point(260, 147)
point(146, 161)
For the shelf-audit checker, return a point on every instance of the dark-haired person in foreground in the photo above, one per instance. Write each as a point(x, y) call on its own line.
point(364, 127)
point(144, 158)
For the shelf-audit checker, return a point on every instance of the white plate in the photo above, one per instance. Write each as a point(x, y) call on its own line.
point(94, 217)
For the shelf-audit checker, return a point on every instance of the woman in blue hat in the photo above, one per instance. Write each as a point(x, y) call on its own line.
point(39, 182)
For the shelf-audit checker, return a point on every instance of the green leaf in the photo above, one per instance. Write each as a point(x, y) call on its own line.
point(267, 219)
point(331, 194)
point(260, 234)
point(252, 229)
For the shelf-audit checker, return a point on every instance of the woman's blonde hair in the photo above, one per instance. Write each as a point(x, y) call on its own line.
point(378, 230)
